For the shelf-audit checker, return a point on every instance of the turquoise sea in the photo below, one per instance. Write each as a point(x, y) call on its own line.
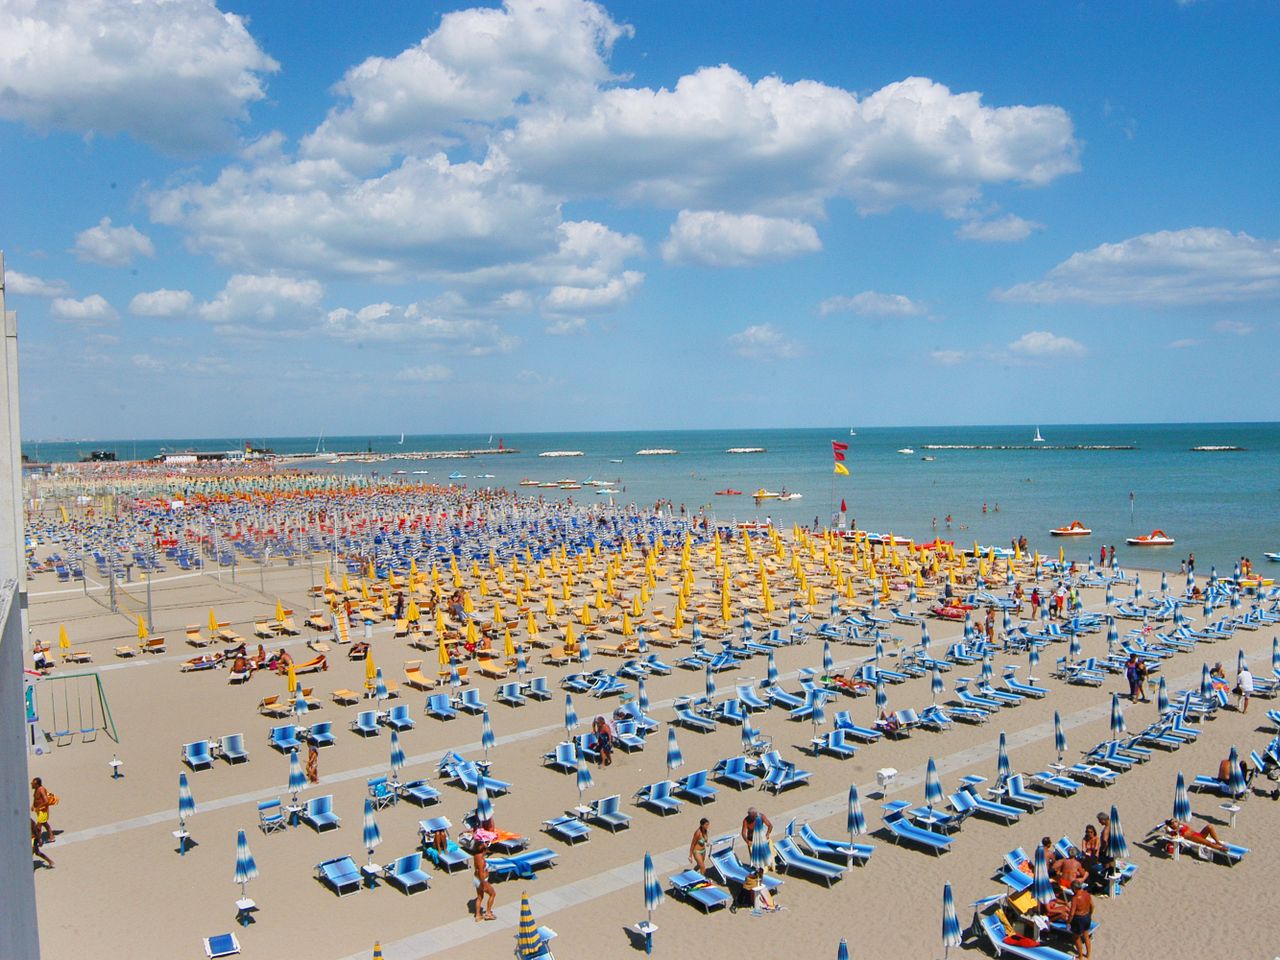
point(1221, 505)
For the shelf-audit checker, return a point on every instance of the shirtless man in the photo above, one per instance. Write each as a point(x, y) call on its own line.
point(1068, 870)
point(482, 884)
point(749, 824)
point(1080, 919)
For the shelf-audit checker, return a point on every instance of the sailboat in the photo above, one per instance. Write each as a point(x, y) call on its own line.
point(402, 439)
point(1037, 438)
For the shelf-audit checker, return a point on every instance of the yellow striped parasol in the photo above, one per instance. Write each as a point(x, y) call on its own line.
point(528, 943)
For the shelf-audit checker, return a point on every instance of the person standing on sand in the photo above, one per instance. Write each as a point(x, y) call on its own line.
point(700, 844)
point(482, 884)
point(313, 764)
point(1244, 688)
point(1080, 919)
point(41, 801)
point(749, 824)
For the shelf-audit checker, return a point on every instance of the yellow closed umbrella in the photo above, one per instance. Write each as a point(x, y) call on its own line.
point(412, 612)
point(291, 679)
point(508, 645)
point(213, 621)
point(585, 617)
point(64, 642)
point(142, 629)
point(564, 590)
point(677, 625)
point(484, 587)
point(328, 578)
point(626, 624)
point(498, 618)
point(570, 641)
point(279, 611)
point(599, 601)
point(370, 670)
point(724, 599)
point(391, 579)
point(371, 573)
point(346, 584)
point(635, 605)
point(471, 637)
point(532, 627)
point(443, 652)
point(468, 605)
point(551, 606)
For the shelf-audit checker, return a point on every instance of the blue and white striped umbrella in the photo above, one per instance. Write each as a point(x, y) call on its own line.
point(297, 780)
point(1235, 575)
point(1059, 736)
point(771, 671)
point(950, 922)
point(1111, 595)
point(484, 806)
point(372, 835)
point(583, 775)
point(828, 663)
point(1113, 633)
point(881, 697)
point(1207, 609)
point(1191, 582)
point(879, 651)
point(1002, 761)
point(652, 889)
point(1181, 802)
point(674, 757)
point(696, 637)
point(1041, 887)
point(935, 683)
point(759, 845)
point(912, 598)
point(522, 662)
point(1117, 717)
point(968, 626)
point(379, 686)
point(1162, 697)
point(487, 739)
point(709, 682)
point(642, 640)
point(1213, 576)
point(1073, 646)
point(1044, 605)
point(1006, 624)
point(986, 669)
point(299, 703)
point(642, 696)
point(570, 715)
point(1241, 662)
point(246, 868)
point(748, 736)
point(186, 802)
point(455, 680)
point(1275, 655)
point(1235, 783)
point(875, 600)
point(855, 822)
point(932, 785)
point(1117, 846)
point(819, 715)
point(842, 952)
point(1179, 618)
point(792, 619)
point(1235, 601)
point(1206, 682)
point(397, 754)
point(584, 652)
point(1092, 569)
point(924, 637)
point(746, 624)
point(1137, 589)
point(1033, 661)
point(1164, 582)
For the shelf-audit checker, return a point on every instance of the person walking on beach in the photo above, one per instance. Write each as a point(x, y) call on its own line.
point(483, 886)
point(700, 845)
point(749, 824)
point(1244, 688)
point(1191, 563)
point(313, 764)
point(41, 801)
point(37, 841)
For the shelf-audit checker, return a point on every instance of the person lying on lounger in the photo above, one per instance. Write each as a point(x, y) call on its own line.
point(1207, 836)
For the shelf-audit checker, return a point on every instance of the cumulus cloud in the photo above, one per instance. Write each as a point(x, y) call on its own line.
point(1007, 229)
point(949, 358)
point(1184, 343)
point(1197, 265)
point(608, 296)
point(1236, 327)
point(714, 238)
point(177, 74)
point(567, 327)
point(388, 323)
point(430, 373)
point(162, 303)
point(93, 310)
point(1043, 345)
point(113, 246)
point(869, 303)
point(764, 341)
point(24, 284)
point(251, 301)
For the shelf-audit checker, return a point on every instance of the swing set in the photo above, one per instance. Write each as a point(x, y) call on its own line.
point(90, 715)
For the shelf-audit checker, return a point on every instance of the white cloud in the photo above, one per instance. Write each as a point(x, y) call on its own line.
point(1043, 345)
point(1197, 265)
point(1184, 343)
point(92, 310)
point(714, 238)
point(566, 327)
point(949, 358)
point(869, 303)
point(431, 373)
point(477, 68)
point(1007, 229)
point(113, 246)
point(263, 301)
point(388, 323)
point(608, 296)
point(1236, 327)
point(24, 284)
point(162, 303)
point(763, 341)
point(176, 74)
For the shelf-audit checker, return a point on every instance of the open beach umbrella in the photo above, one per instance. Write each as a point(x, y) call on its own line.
point(759, 845)
point(484, 806)
point(1041, 887)
point(642, 696)
point(771, 671)
point(528, 942)
point(950, 922)
point(1002, 761)
point(1235, 783)
point(1181, 802)
point(371, 834)
point(246, 868)
point(583, 775)
point(1059, 736)
point(828, 663)
point(674, 757)
point(297, 781)
point(709, 683)
point(1117, 717)
point(652, 898)
point(936, 685)
point(881, 697)
point(186, 808)
point(570, 715)
point(1117, 847)
point(932, 785)
point(1162, 697)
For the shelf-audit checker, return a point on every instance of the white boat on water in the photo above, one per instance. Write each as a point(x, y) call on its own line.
point(906, 450)
point(1037, 438)
point(790, 496)
point(615, 461)
point(745, 450)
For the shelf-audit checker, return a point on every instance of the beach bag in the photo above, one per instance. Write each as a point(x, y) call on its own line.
point(1018, 940)
point(53, 799)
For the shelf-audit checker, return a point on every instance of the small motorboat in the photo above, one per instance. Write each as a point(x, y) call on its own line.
point(526, 482)
point(791, 496)
point(1156, 538)
point(1073, 529)
point(763, 494)
point(728, 493)
point(457, 476)
point(1273, 557)
point(907, 450)
point(927, 459)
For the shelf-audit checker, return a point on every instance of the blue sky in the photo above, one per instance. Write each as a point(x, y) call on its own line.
point(240, 219)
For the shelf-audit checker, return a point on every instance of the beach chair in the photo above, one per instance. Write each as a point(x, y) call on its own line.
point(366, 723)
point(690, 720)
point(272, 707)
point(470, 702)
point(934, 718)
point(414, 677)
point(994, 931)
point(840, 851)
point(654, 664)
point(968, 802)
point(844, 722)
point(382, 793)
point(271, 816)
point(398, 718)
point(693, 887)
point(232, 748)
point(419, 792)
point(695, 787)
point(791, 860)
point(731, 871)
point(778, 697)
point(438, 706)
point(557, 656)
point(646, 725)
point(340, 874)
point(197, 755)
point(221, 945)
point(509, 693)
point(1016, 793)
point(1213, 785)
point(834, 742)
point(606, 812)
point(657, 796)
point(453, 857)
point(902, 829)
point(563, 758)
point(1092, 773)
point(1160, 836)
point(1024, 689)
point(1055, 783)
point(318, 814)
point(262, 630)
point(537, 689)
point(406, 874)
point(627, 736)
point(567, 828)
point(196, 638)
point(345, 697)
point(780, 775)
point(751, 701)
point(734, 772)
point(467, 775)
point(319, 734)
point(523, 865)
point(491, 667)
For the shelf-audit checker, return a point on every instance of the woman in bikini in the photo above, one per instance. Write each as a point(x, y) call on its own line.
point(482, 884)
point(699, 846)
point(1206, 836)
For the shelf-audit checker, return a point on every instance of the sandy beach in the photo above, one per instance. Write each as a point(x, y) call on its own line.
point(121, 889)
